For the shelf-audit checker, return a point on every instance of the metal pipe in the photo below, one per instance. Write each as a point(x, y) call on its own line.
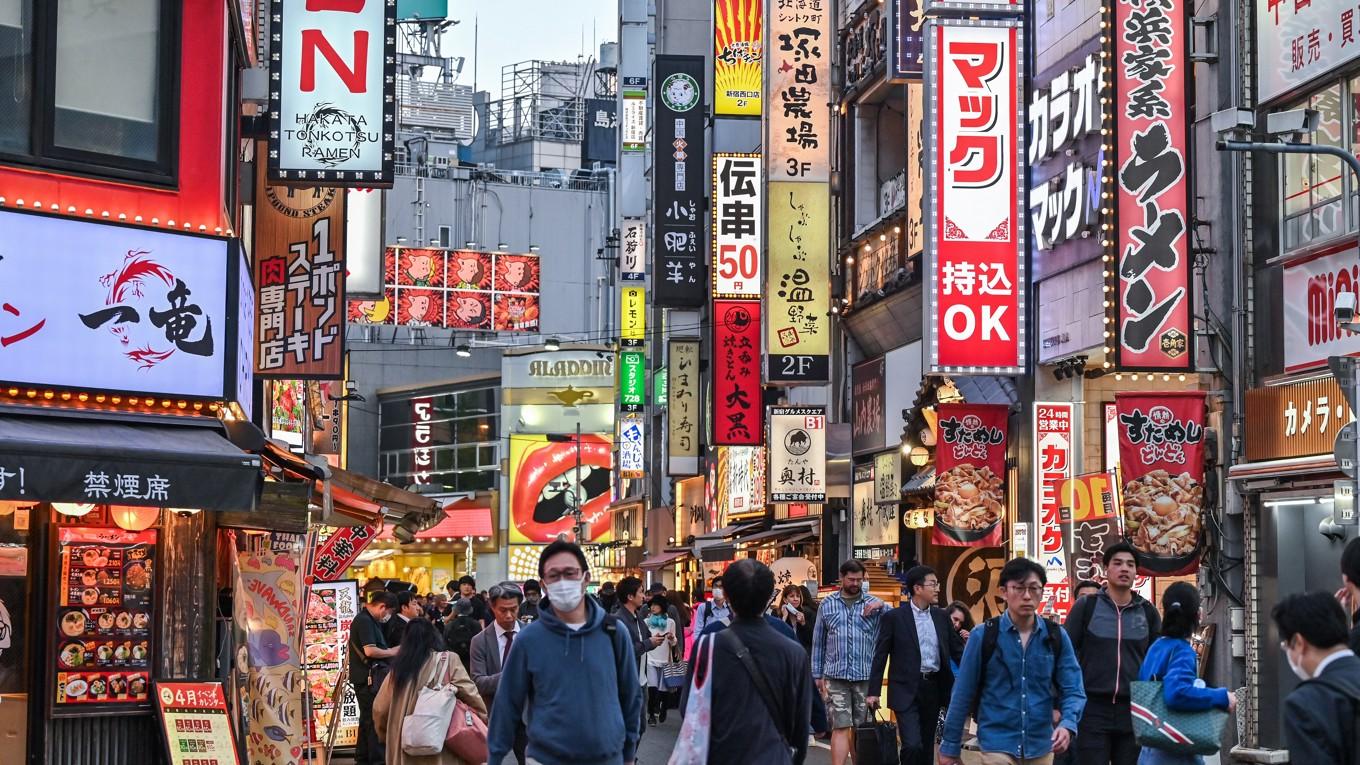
point(1293, 148)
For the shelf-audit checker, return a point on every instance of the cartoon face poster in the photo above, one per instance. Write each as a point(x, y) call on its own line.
point(420, 268)
point(469, 310)
point(469, 270)
point(456, 289)
point(516, 313)
point(419, 308)
point(516, 273)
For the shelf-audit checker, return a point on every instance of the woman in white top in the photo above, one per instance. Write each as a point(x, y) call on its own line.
point(658, 657)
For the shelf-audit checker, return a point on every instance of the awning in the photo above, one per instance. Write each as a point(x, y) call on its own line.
point(727, 532)
point(924, 480)
point(665, 559)
point(150, 463)
point(782, 535)
point(462, 518)
point(1285, 468)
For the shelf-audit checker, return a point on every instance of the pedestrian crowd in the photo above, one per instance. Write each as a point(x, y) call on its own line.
point(552, 675)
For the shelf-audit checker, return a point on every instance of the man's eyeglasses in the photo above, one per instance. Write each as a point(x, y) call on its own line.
point(1033, 590)
point(931, 584)
point(558, 574)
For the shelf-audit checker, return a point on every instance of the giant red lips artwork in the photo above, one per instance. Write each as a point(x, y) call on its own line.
point(546, 485)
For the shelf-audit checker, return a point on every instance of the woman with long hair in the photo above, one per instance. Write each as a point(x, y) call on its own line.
point(1172, 660)
point(421, 657)
point(663, 626)
point(798, 614)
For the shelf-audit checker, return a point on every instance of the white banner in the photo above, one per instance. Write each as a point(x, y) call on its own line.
point(1297, 42)
point(737, 234)
point(799, 47)
point(364, 247)
point(798, 454)
point(888, 478)
point(633, 251)
point(1311, 333)
point(632, 452)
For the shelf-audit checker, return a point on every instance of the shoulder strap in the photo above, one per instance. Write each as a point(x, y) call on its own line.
point(1055, 643)
point(762, 683)
point(991, 629)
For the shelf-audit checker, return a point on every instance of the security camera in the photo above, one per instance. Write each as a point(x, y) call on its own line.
point(1345, 311)
point(1293, 122)
point(1232, 120)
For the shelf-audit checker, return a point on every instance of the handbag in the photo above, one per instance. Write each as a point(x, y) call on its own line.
point(466, 738)
point(1159, 727)
point(691, 746)
point(876, 742)
point(423, 730)
point(673, 675)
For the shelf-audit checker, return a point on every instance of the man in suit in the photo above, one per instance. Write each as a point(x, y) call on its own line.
point(408, 608)
point(1319, 716)
point(491, 647)
point(920, 639)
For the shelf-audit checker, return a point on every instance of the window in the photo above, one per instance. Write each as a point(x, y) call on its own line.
point(1313, 184)
point(445, 235)
point(90, 84)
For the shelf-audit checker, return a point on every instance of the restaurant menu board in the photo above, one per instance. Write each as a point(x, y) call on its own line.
point(195, 723)
point(104, 637)
point(331, 608)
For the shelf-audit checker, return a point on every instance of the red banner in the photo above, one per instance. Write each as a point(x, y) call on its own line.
point(1090, 519)
point(1161, 454)
point(1053, 458)
point(738, 415)
point(1151, 115)
point(340, 550)
point(970, 483)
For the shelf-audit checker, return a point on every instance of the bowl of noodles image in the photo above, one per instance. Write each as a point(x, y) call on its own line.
point(969, 502)
point(1163, 516)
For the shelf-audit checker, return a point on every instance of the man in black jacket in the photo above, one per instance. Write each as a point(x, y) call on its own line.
point(762, 681)
point(1320, 715)
point(1111, 632)
point(920, 641)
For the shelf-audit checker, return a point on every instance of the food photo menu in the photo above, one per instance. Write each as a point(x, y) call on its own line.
point(103, 649)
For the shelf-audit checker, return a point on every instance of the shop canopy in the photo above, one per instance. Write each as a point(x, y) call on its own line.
point(461, 519)
point(665, 559)
point(139, 460)
point(783, 534)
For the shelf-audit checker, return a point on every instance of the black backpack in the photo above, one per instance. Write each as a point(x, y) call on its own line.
point(458, 637)
point(991, 630)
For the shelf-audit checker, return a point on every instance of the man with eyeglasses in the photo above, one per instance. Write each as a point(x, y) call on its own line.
point(920, 640)
point(1016, 670)
point(491, 648)
point(842, 655)
point(572, 677)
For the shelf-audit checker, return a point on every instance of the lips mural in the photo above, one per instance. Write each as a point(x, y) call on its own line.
point(545, 485)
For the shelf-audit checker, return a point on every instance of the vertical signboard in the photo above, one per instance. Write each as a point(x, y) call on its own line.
point(363, 243)
point(680, 278)
point(736, 373)
point(634, 92)
point(738, 39)
point(737, 234)
point(682, 407)
point(868, 423)
point(300, 281)
point(888, 478)
point(634, 319)
point(915, 175)
point(1089, 508)
point(970, 485)
point(332, 94)
point(798, 297)
point(875, 533)
point(422, 458)
point(976, 314)
point(1053, 442)
point(1152, 185)
point(632, 449)
point(906, 39)
point(1161, 457)
point(797, 454)
point(632, 380)
point(633, 251)
point(798, 126)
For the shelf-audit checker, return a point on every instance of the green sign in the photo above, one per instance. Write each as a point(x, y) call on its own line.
point(632, 380)
point(422, 10)
point(661, 382)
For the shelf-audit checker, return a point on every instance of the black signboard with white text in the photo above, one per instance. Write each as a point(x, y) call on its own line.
point(601, 140)
point(681, 278)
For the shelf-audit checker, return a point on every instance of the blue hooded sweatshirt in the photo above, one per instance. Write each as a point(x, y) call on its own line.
point(578, 695)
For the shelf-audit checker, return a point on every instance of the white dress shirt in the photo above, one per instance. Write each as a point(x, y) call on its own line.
point(925, 635)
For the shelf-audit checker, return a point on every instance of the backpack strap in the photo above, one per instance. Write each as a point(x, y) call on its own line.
point(762, 683)
point(991, 630)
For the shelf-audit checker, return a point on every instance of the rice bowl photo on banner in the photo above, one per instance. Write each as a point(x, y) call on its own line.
point(420, 268)
point(419, 307)
point(469, 270)
point(517, 273)
point(468, 310)
point(545, 483)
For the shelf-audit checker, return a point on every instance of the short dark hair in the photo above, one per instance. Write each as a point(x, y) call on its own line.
point(462, 580)
point(563, 546)
point(628, 587)
point(852, 566)
point(717, 580)
point(1180, 610)
point(532, 585)
point(750, 585)
point(659, 600)
point(657, 587)
point(1350, 561)
point(382, 598)
point(404, 598)
point(1085, 584)
point(1019, 569)
point(917, 576)
point(1115, 549)
point(1314, 615)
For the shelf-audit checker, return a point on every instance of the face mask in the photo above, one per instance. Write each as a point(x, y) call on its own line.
point(717, 593)
point(1298, 671)
point(565, 595)
point(387, 618)
point(657, 621)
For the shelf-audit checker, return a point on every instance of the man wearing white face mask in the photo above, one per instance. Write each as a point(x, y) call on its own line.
point(586, 704)
point(715, 610)
point(1320, 715)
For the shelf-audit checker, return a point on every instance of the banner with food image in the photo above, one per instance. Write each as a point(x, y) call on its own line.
point(1161, 457)
point(970, 483)
point(331, 608)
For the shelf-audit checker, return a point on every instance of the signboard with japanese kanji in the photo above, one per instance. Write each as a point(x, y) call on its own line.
point(633, 318)
point(975, 142)
point(797, 454)
point(682, 407)
point(633, 251)
point(798, 293)
point(906, 38)
point(1152, 186)
point(634, 94)
point(680, 277)
point(798, 125)
point(339, 551)
point(737, 234)
point(107, 307)
point(737, 415)
point(1054, 436)
point(632, 446)
point(738, 37)
point(888, 477)
point(1063, 206)
point(299, 282)
point(632, 380)
point(1300, 41)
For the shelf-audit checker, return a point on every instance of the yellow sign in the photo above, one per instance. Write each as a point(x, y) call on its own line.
point(634, 316)
point(738, 37)
point(798, 293)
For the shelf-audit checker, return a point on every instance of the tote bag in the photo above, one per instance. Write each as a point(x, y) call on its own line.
point(691, 746)
point(1161, 728)
point(424, 730)
point(466, 738)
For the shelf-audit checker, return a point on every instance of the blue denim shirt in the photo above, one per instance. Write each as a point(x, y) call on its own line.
point(1015, 709)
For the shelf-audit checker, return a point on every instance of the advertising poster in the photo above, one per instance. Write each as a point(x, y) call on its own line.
point(331, 608)
point(797, 454)
point(740, 491)
point(1308, 307)
point(868, 422)
point(798, 293)
point(875, 533)
point(1053, 458)
point(104, 646)
point(1090, 518)
point(195, 723)
point(736, 373)
point(738, 37)
point(268, 606)
point(1152, 186)
point(632, 446)
point(682, 407)
point(456, 289)
point(546, 486)
point(977, 235)
point(970, 485)
point(888, 478)
point(363, 242)
point(737, 237)
point(332, 101)
point(288, 410)
point(798, 126)
point(1161, 459)
point(915, 176)
point(679, 186)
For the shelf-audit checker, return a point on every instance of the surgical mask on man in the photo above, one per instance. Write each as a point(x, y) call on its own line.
point(565, 595)
point(1298, 670)
point(717, 593)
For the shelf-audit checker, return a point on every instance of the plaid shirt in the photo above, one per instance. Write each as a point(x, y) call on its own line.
point(843, 638)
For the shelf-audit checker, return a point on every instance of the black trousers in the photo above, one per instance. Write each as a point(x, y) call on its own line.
point(916, 724)
point(1105, 735)
point(368, 750)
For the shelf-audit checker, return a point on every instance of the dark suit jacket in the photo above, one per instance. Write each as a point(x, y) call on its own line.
point(485, 661)
point(897, 638)
point(1319, 716)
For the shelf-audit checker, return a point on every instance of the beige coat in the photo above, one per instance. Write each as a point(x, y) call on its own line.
point(388, 713)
